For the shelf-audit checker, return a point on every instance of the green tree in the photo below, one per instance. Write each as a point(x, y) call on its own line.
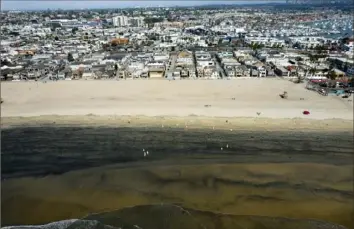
point(314, 60)
point(332, 75)
point(299, 58)
point(278, 46)
point(320, 49)
point(74, 30)
point(313, 71)
point(70, 57)
point(299, 78)
point(152, 20)
point(256, 46)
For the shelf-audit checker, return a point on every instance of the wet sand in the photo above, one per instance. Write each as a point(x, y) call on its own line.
point(60, 167)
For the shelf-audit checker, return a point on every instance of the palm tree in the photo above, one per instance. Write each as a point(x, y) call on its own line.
point(299, 79)
point(312, 70)
point(315, 62)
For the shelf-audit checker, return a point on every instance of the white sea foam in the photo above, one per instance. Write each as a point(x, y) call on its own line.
point(66, 224)
point(63, 224)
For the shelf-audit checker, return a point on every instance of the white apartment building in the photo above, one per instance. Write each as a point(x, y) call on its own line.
point(270, 42)
point(162, 57)
point(136, 21)
point(262, 72)
point(120, 21)
point(307, 42)
point(202, 56)
point(203, 59)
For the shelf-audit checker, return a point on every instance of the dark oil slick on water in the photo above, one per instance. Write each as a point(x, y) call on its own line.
point(39, 151)
point(112, 163)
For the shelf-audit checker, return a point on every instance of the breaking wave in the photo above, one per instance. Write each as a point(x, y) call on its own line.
point(176, 217)
point(67, 224)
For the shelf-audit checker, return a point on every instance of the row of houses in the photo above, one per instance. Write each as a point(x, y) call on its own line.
point(177, 64)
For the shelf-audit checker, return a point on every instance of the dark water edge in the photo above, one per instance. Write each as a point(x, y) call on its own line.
point(176, 217)
point(41, 151)
point(54, 150)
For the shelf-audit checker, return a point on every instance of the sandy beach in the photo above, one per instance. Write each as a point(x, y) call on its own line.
point(79, 145)
point(227, 98)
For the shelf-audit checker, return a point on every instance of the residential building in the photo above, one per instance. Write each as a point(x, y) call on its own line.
point(120, 21)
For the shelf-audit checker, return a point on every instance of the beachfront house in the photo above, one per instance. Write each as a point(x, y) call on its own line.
point(262, 72)
point(281, 71)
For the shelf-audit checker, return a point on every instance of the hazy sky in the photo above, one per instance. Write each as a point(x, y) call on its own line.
point(66, 4)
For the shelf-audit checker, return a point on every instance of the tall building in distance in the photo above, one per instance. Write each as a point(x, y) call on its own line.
point(120, 21)
point(137, 21)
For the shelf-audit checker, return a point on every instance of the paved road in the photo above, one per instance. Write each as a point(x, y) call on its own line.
point(172, 66)
point(219, 68)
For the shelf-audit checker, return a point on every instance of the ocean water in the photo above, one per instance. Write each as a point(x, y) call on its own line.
point(40, 151)
point(176, 217)
point(345, 27)
point(204, 178)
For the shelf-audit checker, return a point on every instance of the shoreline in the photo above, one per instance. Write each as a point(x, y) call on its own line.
point(211, 113)
point(57, 144)
point(185, 122)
